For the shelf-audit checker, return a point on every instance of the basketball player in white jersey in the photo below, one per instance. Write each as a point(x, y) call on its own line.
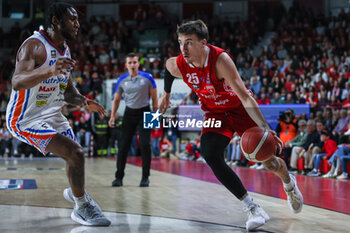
point(42, 84)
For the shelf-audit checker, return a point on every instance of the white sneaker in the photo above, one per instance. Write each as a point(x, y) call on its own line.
point(330, 174)
point(260, 167)
point(343, 176)
point(294, 196)
point(89, 215)
point(256, 217)
point(254, 166)
point(68, 195)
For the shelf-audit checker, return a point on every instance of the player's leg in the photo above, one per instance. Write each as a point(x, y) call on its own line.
point(85, 211)
point(279, 168)
point(73, 154)
point(241, 121)
point(213, 145)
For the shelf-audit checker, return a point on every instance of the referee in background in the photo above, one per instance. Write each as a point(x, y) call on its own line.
point(137, 87)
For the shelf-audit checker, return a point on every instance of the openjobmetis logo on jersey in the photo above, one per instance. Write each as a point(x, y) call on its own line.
point(152, 120)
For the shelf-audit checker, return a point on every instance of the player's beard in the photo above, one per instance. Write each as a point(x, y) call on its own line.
point(65, 34)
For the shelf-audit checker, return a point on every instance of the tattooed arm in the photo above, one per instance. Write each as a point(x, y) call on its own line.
point(72, 96)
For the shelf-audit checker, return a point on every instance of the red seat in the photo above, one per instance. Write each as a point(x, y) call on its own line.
point(324, 166)
point(300, 164)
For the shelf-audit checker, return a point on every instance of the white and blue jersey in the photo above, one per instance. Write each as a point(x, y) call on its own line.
point(34, 115)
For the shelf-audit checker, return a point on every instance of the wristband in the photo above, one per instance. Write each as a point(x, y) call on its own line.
point(168, 81)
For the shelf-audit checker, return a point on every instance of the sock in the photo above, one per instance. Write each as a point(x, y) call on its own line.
point(247, 201)
point(79, 201)
point(288, 187)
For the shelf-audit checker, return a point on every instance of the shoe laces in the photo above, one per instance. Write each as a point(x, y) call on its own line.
point(252, 210)
point(292, 195)
point(90, 211)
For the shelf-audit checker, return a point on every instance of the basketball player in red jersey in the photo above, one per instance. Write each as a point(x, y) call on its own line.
point(210, 72)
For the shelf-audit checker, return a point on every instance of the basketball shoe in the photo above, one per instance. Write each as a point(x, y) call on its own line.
point(89, 215)
point(294, 196)
point(68, 195)
point(256, 217)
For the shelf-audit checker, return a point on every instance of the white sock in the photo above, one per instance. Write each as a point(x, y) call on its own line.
point(79, 201)
point(289, 186)
point(247, 201)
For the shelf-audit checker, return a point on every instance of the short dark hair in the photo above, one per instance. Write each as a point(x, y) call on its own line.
point(131, 55)
point(196, 27)
point(325, 132)
point(58, 9)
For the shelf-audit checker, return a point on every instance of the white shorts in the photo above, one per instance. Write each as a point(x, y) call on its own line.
point(39, 133)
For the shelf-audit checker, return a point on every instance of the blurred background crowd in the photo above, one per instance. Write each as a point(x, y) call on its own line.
point(293, 56)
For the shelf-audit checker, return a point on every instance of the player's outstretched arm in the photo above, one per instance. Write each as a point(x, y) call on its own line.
point(226, 69)
point(171, 72)
point(28, 72)
point(72, 96)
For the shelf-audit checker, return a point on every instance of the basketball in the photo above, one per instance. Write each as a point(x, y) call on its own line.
point(258, 144)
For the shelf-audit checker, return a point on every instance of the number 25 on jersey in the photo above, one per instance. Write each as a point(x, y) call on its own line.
point(193, 78)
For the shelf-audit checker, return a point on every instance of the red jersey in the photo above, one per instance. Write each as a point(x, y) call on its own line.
point(215, 95)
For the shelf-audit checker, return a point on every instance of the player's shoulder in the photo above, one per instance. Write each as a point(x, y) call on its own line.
point(223, 57)
point(171, 64)
point(33, 43)
point(31, 48)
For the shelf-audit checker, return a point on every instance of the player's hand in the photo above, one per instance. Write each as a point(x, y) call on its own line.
point(278, 141)
point(164, 102)
point(94, 106)
point(111, 122)
point(63, 65)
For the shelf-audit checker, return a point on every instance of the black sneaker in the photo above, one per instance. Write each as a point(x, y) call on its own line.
point(144, 182)
point(117, 182)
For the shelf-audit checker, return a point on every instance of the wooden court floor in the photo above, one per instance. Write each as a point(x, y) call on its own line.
point(172, 203)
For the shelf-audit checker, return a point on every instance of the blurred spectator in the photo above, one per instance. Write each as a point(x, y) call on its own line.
point(313, 137)
point(173, 132)
point(83, 132)
point(263, 99)
point(235, 156)
point(165, 147)
point(156, 135)
point(341, 124)
point(329, 147)
point(5, 140)
point(343, 150)
point(287, 126)
point(297, 141)
point(330, 121)
point(99, 128)
point(188, 154)
point(277, 99)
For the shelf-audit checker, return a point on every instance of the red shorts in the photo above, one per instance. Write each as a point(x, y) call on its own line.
point(237, 120)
